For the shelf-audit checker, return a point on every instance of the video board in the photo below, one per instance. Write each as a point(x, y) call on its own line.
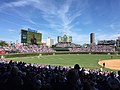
point(30, 37)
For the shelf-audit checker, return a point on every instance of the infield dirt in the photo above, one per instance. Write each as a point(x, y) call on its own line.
point(112, 64)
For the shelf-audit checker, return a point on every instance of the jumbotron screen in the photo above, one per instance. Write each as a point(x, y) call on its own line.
point(30, 37)
point(37, 36)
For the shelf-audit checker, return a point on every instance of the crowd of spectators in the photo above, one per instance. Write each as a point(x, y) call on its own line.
point(95, 48)
point(67, 44)
point(1, 48)
point(106, 42)
point(72, 48)
point(9, 48)
point(34, 48)
point(28, 48)
point(22, 76)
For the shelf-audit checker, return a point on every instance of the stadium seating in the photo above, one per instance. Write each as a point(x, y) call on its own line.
point(22, 76)
point(27, 49)
point(96, 48)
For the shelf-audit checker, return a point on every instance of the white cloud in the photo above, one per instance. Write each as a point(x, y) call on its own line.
point(59, 18)
point(115, 25)
point(12, 22)
point(49, 9)
point(102, 36)
point(11, 30)
point(19, 3)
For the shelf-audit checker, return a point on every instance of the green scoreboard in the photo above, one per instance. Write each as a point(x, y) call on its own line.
point(64, 38)
point(27, 35)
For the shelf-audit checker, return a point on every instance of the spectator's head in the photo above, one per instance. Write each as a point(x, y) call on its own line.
point(112, 74)
point(33, 36)
point(77, 67)
point(14, 70)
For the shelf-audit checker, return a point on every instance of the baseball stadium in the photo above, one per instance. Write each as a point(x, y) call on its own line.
point(60, 58)
point(59, 44)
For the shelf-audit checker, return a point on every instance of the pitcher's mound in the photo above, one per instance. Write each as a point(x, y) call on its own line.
point(112, 64)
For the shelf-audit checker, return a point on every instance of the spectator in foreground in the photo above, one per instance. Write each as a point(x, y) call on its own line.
point(113, 82)
point(12, 80)
point(71, 82)
point(118, 75)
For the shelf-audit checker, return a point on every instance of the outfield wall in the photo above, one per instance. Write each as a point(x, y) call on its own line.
point(55, 53)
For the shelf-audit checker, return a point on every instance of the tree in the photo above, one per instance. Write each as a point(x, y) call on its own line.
point(3, 43)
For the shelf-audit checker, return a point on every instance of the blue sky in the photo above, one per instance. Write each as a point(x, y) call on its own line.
point(77, 18)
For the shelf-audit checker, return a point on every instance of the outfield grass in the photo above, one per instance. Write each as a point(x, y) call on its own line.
point(84, 60)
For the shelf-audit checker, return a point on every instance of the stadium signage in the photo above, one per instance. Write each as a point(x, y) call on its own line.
point(32, 30)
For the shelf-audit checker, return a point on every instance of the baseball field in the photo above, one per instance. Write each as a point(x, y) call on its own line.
point(92, 61)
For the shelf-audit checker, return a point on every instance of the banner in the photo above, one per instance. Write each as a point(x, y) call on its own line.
point(2, 52)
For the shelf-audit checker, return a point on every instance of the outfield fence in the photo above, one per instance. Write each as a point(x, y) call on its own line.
point(55, 53)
